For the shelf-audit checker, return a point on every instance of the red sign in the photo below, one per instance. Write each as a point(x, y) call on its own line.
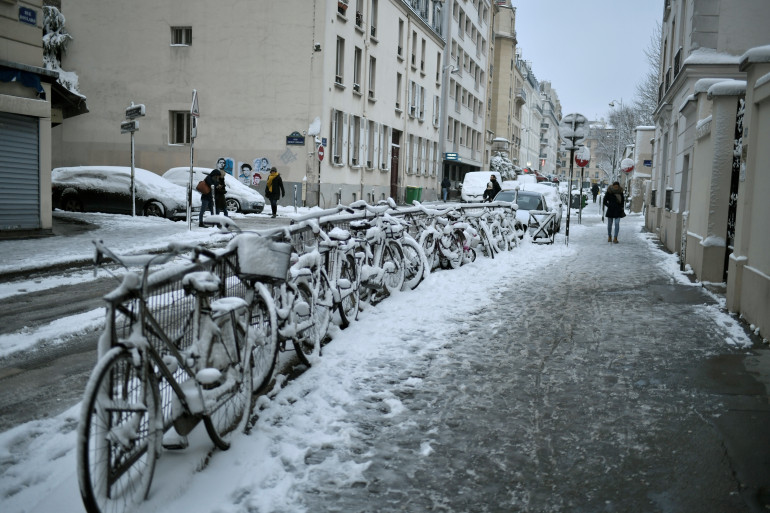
point(582, 156)
point(627, 165)
point(320, 153)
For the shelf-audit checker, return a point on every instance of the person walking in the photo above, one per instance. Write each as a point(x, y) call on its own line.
point(495, 186)
point(614, 199)
point(595, 190)
point(207, 199)
point(445, 185)
point(274, 189)
point(220, 202)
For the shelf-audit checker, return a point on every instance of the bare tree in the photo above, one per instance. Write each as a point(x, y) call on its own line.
point(646, 100)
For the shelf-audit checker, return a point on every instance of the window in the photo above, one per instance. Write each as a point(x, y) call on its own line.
point(385, 152)
point(372, 145)
point(179, 127)
point(401, 38)
point(181, 36)
point(398, 91)
point(421, 103)
point(340, 66)
point(436, 109)
point(357, 70)
point(373, 20)
point(355, 141)
point(339, 140)
point(372, 75)
point(422, 58)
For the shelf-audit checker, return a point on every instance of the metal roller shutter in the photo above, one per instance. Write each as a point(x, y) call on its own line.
point(19, 173)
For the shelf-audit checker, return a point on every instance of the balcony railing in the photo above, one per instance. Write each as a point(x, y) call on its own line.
point(521, 95)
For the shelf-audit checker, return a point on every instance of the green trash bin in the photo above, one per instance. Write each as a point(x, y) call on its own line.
point(412, 194)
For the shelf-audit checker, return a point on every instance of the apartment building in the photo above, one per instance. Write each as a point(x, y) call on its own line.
point(31, 102)
point(701, 39)
point(548, 161)
point(464, 146)
point(275, 82)
point(708, 181)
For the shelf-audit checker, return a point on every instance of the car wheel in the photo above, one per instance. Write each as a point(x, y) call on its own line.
point(153, 208)
point(71, 203)
point(232, 205)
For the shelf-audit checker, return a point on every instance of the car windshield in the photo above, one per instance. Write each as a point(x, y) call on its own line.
point(527, 202)
point(505, 196)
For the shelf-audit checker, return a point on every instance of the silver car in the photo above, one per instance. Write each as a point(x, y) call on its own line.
point(239, 197)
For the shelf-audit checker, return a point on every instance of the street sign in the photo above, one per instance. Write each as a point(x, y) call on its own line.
point(194, 111)
point(129, 126)
point(572, 130)
point(320, 153)
point(135, 111)
point(582, 156)
point(627, 165)
point(451, 156)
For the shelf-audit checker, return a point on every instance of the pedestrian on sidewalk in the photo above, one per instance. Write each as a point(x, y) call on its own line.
point(219, 193)
point(274, 189)
point(207, 199)
point(614, 201)
point(445, 185)
point(595, 190)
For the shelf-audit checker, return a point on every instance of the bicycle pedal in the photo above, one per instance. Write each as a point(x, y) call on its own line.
point(173, 441)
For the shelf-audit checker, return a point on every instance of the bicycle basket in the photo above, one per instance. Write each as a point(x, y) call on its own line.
point(262, 257)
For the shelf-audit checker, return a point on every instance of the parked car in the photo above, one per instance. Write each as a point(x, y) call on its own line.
point(239, 197)
point(530, 200)
point(474, 185)
point(108, 189)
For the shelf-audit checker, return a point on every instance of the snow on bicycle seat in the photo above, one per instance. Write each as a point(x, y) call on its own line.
point(201, 281)
point(225, 305)
point(338, 233)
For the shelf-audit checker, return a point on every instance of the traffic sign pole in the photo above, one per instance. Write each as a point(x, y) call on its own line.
point(132, 112)
point(194, 114)
point(572, 131)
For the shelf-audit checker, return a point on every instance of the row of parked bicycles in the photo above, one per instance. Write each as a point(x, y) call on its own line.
point(191, 335)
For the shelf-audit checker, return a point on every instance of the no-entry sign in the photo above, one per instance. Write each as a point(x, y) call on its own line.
point(320, 153)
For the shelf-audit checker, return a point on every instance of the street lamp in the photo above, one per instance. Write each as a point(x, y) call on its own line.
point(619, 124)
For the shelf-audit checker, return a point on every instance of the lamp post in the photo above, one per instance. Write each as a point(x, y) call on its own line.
point(444, 125)
point(618, 126)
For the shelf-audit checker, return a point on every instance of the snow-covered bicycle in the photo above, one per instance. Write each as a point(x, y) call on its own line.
point(151, 378)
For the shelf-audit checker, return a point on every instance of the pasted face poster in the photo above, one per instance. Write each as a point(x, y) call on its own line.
point(245, 172)
point(229, 164)
point(261, 170)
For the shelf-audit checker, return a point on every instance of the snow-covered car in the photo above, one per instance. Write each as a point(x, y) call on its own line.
point(239, 197)
point(474, 185)
point(108, 189)
point(530, 200)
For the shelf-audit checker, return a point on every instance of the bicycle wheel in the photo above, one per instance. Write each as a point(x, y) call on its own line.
point(118, 434)
point(498, 238)
point(392, 260)
point(231, 399)
point(414, 263)
point(428, 243)
point(453, 253)
point(307, 344)
point(263, 337)
point(349, 303)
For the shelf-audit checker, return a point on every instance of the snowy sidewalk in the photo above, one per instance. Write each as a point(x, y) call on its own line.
point(581, 377)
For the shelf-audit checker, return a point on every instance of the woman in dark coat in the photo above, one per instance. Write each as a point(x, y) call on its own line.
point(219, 194)
point(614, 199)
point(274, 189)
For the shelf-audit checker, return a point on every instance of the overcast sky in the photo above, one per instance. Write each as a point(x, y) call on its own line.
point(591, 51)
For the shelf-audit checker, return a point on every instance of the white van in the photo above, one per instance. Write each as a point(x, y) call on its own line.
point(474, 185)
